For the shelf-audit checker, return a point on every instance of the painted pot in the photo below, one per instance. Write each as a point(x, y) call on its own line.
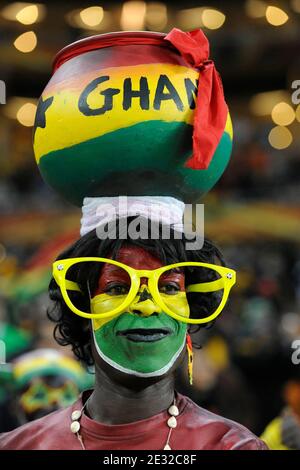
point(117, 118)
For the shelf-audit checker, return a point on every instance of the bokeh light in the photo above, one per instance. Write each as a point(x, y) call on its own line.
point(213, 19)
point(26, 42)
point(24, 13)
point(190, 18)
point(283, 114)
point(280, 137)
point(156, 16)
point(92, 16)
point(262, 104)
point(276, 16)
point(255, 8)
point(133, 15)
point(26, 114)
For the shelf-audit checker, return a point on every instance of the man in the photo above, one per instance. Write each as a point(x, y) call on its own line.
point(45, 380)
point(126, 305)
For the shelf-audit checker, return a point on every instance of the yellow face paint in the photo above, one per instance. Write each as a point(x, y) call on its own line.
point(177, 303)
point(39, 395)
point(103, 303)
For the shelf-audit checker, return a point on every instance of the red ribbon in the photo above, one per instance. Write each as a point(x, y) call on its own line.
point(211, 109)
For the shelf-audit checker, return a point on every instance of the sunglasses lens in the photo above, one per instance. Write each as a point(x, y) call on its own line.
point(171, 287)
point(104, 286)
point(205, 291)
point(192, 291)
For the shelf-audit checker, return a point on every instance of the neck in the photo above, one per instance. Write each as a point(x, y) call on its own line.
point(129, 400)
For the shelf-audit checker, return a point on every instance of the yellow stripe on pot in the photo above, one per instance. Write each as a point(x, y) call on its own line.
point(76, 114)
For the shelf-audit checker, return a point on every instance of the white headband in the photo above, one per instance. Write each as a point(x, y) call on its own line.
point(98, 211)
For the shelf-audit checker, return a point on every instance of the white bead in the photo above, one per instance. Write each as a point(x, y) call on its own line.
point(167, 447)
point(173, 410)
point(76, 415)
point(172, 422)
point(75, 426)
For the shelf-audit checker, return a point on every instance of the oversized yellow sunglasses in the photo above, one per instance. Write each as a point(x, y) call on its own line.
point(207, 287)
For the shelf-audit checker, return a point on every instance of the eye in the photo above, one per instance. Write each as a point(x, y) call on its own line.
point(169, 288)
point(116, 288)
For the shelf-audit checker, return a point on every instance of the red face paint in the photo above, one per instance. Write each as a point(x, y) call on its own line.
point(137, 258)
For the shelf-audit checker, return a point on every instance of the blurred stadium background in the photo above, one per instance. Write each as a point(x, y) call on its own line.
point(253, 213)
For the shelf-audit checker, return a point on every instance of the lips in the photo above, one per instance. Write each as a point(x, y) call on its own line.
point(145, 335)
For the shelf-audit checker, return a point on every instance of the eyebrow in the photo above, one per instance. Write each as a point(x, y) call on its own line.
point(174, 271)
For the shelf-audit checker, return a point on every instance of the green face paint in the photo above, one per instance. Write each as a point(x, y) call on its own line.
point(143, 340)
point(40, 395)
point(139, 358)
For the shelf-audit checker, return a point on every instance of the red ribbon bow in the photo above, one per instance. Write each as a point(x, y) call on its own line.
point(211, 109)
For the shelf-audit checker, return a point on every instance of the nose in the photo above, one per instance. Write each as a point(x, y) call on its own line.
point(143, 304)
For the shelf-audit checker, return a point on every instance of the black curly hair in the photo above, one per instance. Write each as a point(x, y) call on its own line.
point(74, 330)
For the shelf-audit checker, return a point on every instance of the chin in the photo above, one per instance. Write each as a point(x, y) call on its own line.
point(130, 378)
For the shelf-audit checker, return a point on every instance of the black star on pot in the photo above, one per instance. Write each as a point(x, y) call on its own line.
point(40, 117)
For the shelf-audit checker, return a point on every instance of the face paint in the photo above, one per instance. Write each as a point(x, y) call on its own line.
point(42, 394)
point(142, 341)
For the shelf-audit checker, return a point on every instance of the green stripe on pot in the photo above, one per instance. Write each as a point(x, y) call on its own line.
point(147, 159)
point(206, 179)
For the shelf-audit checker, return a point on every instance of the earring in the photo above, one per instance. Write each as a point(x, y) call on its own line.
point(189, 348)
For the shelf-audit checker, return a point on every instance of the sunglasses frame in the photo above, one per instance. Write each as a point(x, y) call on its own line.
point(226, 281)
